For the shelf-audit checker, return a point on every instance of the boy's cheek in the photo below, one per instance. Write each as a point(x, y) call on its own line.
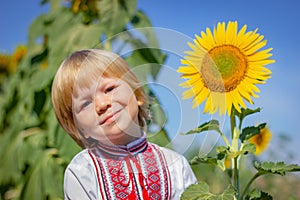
point(86, 122)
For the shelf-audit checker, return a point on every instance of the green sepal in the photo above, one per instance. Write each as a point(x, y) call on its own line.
point(201, 191)
point(222, 149)
point(248, 148)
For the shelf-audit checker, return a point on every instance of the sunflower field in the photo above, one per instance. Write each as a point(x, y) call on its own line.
point(33, 147)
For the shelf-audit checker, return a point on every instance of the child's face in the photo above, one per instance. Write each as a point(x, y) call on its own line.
point(107, 111)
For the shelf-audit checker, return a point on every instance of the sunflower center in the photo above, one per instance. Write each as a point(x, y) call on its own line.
point(259, 139)
point(223, 68)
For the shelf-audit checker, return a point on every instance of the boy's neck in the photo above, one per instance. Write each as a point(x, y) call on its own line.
point(132, 148)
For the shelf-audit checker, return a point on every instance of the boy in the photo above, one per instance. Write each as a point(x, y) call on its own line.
point(99, 101)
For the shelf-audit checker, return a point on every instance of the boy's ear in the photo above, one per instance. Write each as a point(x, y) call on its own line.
point(140, 103)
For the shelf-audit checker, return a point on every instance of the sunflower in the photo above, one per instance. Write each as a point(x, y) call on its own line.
point(261, 140)
point(224, 67)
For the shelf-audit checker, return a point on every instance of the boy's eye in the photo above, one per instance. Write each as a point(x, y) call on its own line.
point(109, 89)
point(85, 104)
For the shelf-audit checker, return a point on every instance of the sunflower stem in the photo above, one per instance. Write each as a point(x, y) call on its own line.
point(232, 122)
point(236, 177)
point(235, 147)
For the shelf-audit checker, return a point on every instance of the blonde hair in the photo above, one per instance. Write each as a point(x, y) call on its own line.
point(82, 68)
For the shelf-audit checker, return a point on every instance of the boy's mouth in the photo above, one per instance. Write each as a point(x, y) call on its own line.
point(109, 118)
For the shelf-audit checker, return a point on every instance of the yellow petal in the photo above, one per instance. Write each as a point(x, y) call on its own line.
point(231, 32)
point(219, 34)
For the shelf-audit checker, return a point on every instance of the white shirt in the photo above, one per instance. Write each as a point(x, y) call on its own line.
point(80, 180)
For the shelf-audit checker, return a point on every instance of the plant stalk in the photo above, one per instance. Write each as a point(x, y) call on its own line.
point(235, 147)
point(232, 122)
point(236, 177)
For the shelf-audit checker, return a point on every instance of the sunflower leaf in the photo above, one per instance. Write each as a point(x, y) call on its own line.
point(257, 194)
point(217, 161)
point(161, 138)
point(245, 112)
point(276, 168)
point(207, 126)
point(250, 131)
point(201, 191)
point(206, 160)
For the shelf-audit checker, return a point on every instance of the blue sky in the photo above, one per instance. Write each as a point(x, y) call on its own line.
point(278, 21)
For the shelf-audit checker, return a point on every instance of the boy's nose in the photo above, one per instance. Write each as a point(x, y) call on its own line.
point(102, 104)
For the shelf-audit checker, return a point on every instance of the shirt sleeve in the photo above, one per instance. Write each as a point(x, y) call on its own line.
point(188, 174)
point(181, 173)
point(80, 180)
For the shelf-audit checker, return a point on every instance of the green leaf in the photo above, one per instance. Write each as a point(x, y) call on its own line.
point(140, 20)
point(10, 168)
point(159, 117)
point(38, 184)
point(276, 168)
point(114, 15)
point(207, 160)
point(249, 132)
point(37, 29)
point(228, 194)
point(201, 191)
point(39, 57)
point(246, 112)
point(258, 195)
point(141, 66)
point(143, 45)
point(216, 161)
point(160, 138)
point(142, 24)
point(207, 126)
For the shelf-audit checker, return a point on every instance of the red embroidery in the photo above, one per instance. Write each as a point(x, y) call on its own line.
point(97, 170)
point(144, 176)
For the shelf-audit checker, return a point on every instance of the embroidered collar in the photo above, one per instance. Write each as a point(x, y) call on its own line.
point(131, 149)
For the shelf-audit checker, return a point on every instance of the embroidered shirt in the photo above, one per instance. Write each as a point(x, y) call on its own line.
point(140, 170)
